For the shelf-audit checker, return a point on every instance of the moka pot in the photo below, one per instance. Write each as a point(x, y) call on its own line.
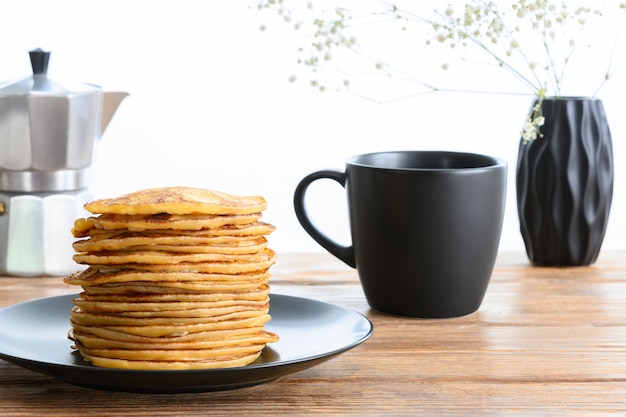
point(48, 138)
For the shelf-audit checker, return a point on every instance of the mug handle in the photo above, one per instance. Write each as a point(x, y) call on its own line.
point(344, 253)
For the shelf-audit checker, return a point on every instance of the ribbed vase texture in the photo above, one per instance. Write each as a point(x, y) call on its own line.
point(565, 183)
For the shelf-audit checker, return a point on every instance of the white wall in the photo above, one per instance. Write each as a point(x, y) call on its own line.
point(211, 106)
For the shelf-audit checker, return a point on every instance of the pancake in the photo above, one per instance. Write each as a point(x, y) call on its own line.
point(169, 355)
point(79, 316)
point(174, 330)
point(258, 293)
point(177, 278)
point(171, 243)
point(86, 227)
point(165, 308)
point(91, 276)
point(266, 260)
point(169, 287)
point(97, 342)
point(178, 200)
point(229, 362)
point(158, 257)
point(161, 221)
point(114, 335)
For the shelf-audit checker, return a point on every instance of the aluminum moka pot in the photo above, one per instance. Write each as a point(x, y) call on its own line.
point(48, 138)
point(48, 131)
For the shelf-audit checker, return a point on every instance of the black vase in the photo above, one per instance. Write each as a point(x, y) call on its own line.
point(565, 183)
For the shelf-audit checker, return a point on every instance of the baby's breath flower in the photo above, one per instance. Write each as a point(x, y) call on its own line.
point(533, 123)
point(499, 29)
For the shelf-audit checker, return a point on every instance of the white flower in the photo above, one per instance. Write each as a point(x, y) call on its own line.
point(531, 39)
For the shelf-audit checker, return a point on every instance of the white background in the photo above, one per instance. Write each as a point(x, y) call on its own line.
point(211, 106)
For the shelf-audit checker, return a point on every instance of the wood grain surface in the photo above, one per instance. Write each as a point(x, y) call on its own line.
point(546, 341)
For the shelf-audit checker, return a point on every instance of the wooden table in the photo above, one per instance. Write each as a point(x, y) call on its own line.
point(545, 341)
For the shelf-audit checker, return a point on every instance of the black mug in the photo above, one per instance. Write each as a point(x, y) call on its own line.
point(425, 228)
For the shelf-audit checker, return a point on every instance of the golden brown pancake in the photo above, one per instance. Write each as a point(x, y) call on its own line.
point(169, 287)
point(113, 335)
point(97, 342)
point(257, 293)
point(77, 315)
point(174, 330)
point(265, 261)
point(178, 200)
point(156, 257)
point(228, 362)
point(163, 221)
point(171, 243)
point(177, 278)
point(86, 227)
point(167, 308)
point(169, 355)
point(90, 276)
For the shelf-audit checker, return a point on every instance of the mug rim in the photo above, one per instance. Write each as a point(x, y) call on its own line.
point(492, 161)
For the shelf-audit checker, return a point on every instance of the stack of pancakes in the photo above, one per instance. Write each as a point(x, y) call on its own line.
point(177, 278)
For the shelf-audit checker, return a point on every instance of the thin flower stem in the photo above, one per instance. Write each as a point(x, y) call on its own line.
point(506, 65)
point(612, 54)
point(512, 39)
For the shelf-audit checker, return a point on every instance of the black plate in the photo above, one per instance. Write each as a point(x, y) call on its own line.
point(33, 335)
